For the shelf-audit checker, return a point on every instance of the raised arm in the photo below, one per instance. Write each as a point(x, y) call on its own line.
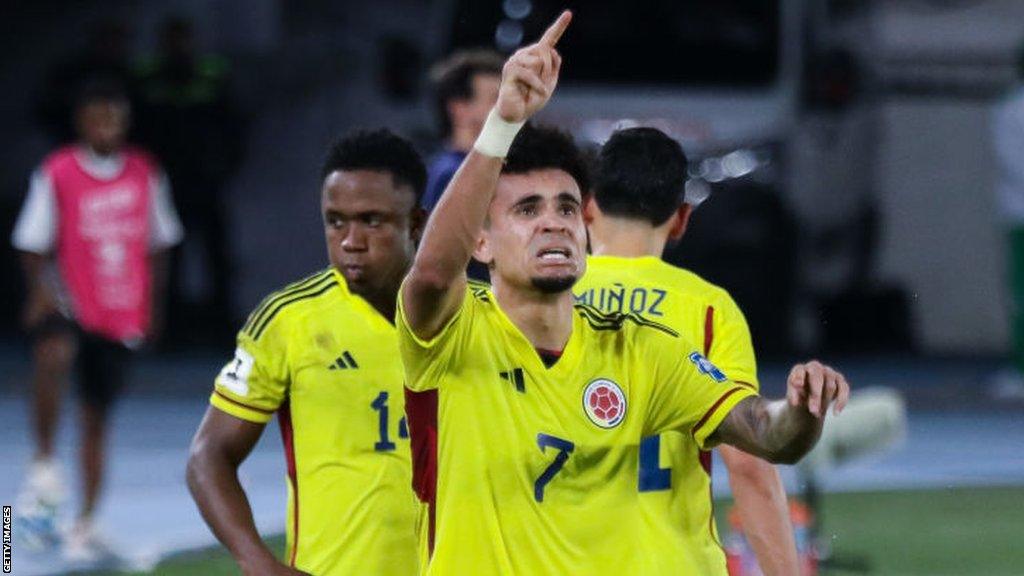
point(434, 287)
point(783, 431)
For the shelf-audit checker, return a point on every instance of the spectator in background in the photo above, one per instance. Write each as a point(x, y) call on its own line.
point(105, 54)
point(1008, 144)
point(93, 234)
point(465, 88)
point(188, 118)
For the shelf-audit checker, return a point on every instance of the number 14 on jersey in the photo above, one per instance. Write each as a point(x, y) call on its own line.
point(384, 443)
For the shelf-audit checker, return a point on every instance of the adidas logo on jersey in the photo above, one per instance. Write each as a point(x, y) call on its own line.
point(344, 362)
point(515, 376)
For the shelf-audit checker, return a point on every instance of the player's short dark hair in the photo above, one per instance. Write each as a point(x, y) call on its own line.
point(100, 89)
point(381, 150)
point(641, 174)
point(541, 148)
point(452, 79)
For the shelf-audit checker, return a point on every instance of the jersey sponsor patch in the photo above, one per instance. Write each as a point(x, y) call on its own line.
point(604, 403)
point(235, 374)
point(706, 367)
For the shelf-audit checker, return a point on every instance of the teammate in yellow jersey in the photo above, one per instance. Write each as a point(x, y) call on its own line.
point(525, 411)
point(636, 208)
point(321, 354)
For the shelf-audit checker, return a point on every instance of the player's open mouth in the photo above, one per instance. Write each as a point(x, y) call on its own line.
point(555, 254)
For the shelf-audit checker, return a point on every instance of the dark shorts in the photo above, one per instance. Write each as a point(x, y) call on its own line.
point(100, 363)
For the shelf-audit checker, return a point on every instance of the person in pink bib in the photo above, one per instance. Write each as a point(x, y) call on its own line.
point(93, 233)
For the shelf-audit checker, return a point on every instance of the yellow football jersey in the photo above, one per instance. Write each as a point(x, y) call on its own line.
point(325, 362)
point(674, 477)
point(532, 469)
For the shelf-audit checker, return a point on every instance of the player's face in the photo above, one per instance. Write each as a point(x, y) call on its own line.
point(485, 94)
point(536, 238)
point(103, 125)
point(371, 227)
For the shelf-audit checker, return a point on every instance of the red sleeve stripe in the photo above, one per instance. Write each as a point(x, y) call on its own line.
point(246, 406)
point(421, 410)
point(709, 338)
point(709, 329)
point(284, 419)
point(703, 455)
point(707, 415)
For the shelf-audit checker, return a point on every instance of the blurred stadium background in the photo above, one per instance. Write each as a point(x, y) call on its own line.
point(844, 147)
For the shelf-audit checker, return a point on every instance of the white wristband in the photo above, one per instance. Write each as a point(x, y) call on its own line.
point(497, 135)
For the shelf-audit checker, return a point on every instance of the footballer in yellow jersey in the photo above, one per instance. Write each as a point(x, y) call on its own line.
point(321, 355)
point(675, 493)
point(636, 207)
point(536, 465)
point(540, 404)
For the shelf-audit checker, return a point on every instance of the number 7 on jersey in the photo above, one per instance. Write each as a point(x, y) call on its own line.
point(564, 448)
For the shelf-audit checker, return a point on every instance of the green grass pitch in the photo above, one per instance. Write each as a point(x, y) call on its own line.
point(962, 532)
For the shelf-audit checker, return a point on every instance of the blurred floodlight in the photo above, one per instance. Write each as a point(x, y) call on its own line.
point(697, 191)
point(739, 163)
point(517, 9)
point(711, 170)
point(625, 124)
point(508, 35)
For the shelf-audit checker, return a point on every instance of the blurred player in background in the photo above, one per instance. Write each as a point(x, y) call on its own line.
point(465, 88)
point(525, 410)
point(322, 354)
point(637, 207)
point(93, 233)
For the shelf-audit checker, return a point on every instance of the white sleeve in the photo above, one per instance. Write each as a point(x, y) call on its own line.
point(164, 225)
point(36, 228)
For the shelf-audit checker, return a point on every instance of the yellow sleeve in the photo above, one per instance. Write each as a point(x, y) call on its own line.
point(690, 394)
point(255, 382)
point(427, 360)
point(731, 348)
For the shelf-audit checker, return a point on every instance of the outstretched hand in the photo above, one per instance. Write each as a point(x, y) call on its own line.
point(815, 386)
point(529, 77)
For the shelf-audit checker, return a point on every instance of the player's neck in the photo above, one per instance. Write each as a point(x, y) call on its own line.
point(386, 307)
point(627, 238)
point(99, 154)
point(545, 319)
point(383, 302)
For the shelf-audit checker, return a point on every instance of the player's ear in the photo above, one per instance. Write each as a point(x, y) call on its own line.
point(590, 209)
point(417, 222)
point(679, 221)
point(482, 252)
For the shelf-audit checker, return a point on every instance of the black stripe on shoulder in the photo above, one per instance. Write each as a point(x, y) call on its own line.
point(320, 288)
point(652, 324)
point(595, 316)
point(482, 295)
point(312, 281)
point(614, 320)
point(292, 288)
point(481, 290)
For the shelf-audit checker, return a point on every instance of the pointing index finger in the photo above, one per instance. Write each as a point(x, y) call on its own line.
point(555, 31)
